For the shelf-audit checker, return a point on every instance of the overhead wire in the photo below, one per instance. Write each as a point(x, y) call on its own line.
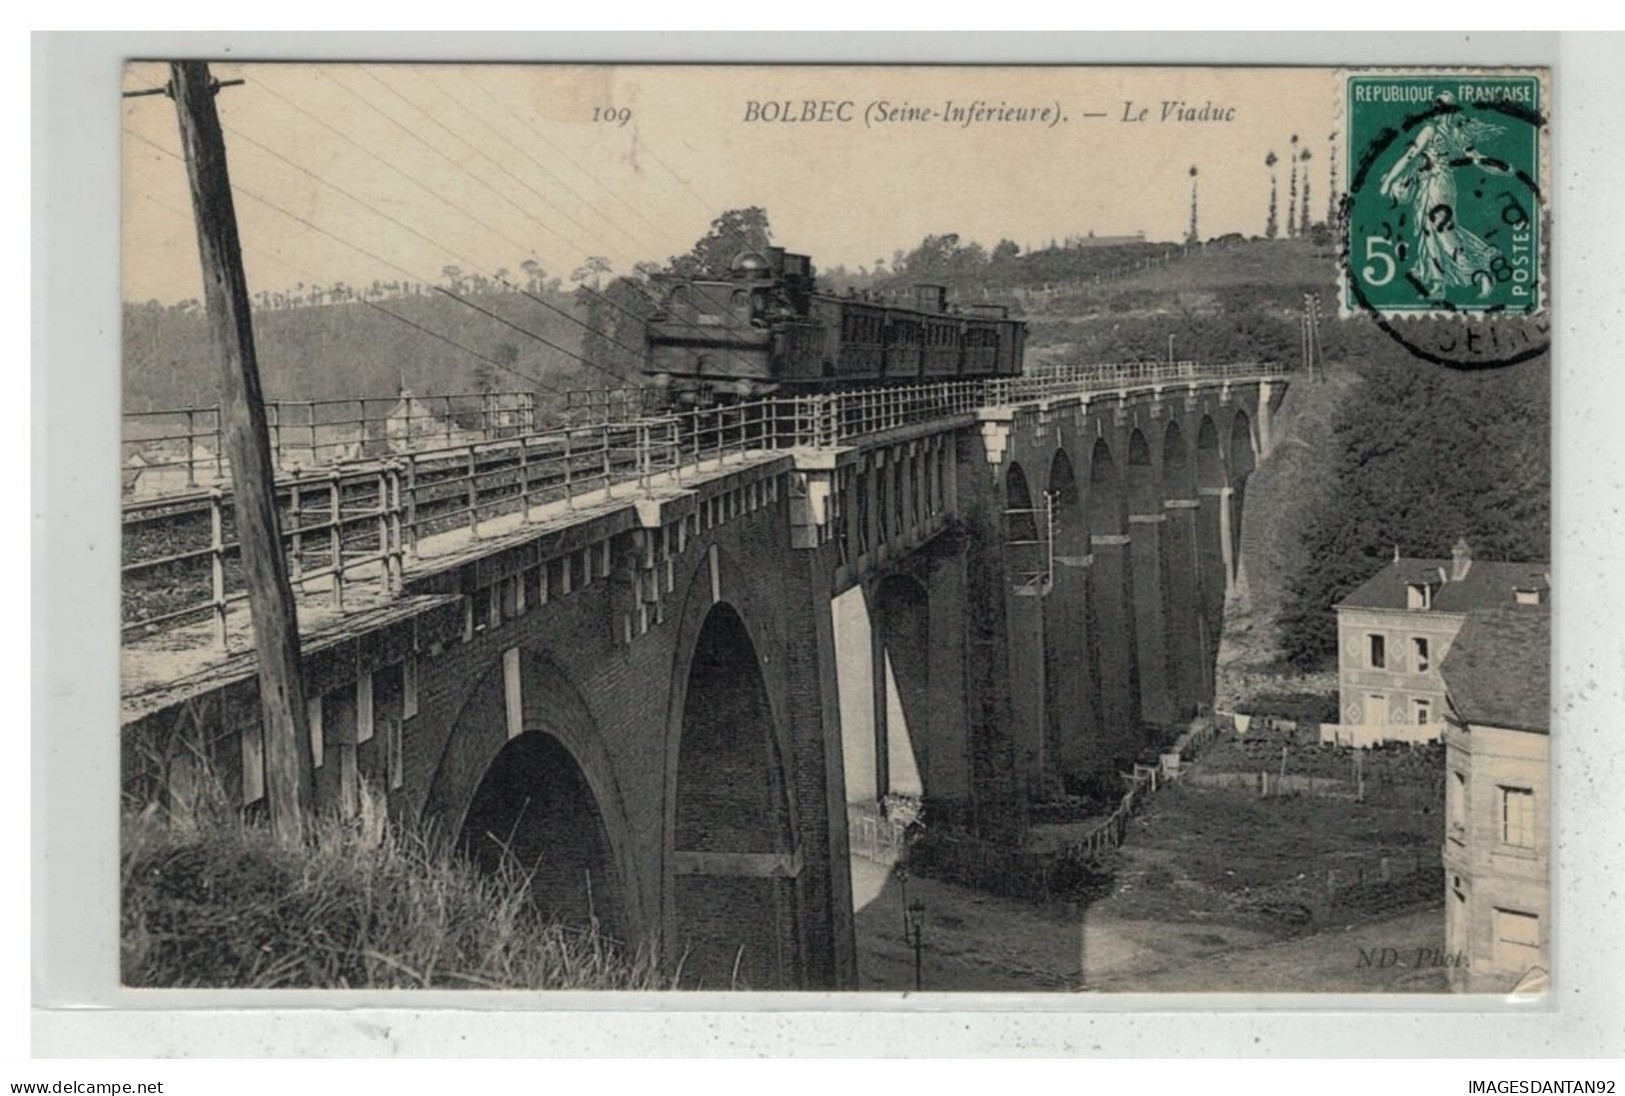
point(419, 109)
point(549, 172)
point(562, 153)
point(379, 259)
point(591, 292)
point(426, 239)
point(727, 321)
point(564, 313)
point(470, 351)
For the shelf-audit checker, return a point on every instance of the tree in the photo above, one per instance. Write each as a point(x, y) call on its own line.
point(592, 270)
point(1192, 237)
point(1006, 251)
point(533, 274)
point(1398, 478)
point(1303, 218)
point(615, 331)
point(1271, 226)
point(1292, 192)
point(1331, 189)
point(485, 372)
point(713, 254)
point(932, 258)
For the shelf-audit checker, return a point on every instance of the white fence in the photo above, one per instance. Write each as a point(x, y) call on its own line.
point(1375, 734)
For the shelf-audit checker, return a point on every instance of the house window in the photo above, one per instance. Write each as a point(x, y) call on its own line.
point(1421, 712)
point(1458, 805)
point(1518, 817)
point(1376, 709)
point(1517, 940)
point(1415, 596)
point(1379, 652)
point(1419, 653)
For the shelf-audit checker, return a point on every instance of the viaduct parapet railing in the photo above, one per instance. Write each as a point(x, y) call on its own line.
point(365, 520)
point(176, 450)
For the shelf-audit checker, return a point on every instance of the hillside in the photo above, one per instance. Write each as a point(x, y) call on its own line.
point(1283, 498)
point(353, 349)
point(1390, 450)
point(1419, 456)
point(1232, 302)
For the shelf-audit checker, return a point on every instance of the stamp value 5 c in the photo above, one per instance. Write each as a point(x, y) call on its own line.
point(1444, 205)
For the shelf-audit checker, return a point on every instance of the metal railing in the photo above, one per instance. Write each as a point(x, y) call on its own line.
point(358, 523)
point(173, 451)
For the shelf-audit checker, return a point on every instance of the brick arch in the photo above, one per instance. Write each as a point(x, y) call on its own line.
point(736, 608)
point(1177, 466)
point(1241, 456)
point(1144, 495)
point(1019, 499)
point(1071, 525)
point(1111, 602)
point(554, 707)
point(1108, 494)
point(1209, 463)
point(900, 612)
point(1071, 671)
point(739, 591)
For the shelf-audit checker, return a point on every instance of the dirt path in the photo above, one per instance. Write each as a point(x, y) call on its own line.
point(974, 941)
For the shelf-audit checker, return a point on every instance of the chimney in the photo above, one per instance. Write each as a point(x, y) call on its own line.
point(1461, 560)
point(1532, 591)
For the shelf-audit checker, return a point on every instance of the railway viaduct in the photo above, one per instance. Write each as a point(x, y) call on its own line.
point(665, 694)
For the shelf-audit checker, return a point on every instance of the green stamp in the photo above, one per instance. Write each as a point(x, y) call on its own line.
point(1444, 206)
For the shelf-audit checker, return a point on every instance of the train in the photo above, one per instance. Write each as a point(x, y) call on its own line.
point(768, 329)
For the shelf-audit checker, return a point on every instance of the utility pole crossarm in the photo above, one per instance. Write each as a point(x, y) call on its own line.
point(169, 88)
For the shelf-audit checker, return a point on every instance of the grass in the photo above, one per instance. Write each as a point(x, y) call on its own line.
point(212, 901)
point(1420, 766)
point(1232, 857)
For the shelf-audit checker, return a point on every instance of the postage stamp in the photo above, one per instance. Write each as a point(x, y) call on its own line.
point(1443, 200)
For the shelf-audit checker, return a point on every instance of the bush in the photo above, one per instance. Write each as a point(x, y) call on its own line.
point(214, 902)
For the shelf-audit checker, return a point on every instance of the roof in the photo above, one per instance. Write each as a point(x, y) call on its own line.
point(1488, 584)
point(1498, 671)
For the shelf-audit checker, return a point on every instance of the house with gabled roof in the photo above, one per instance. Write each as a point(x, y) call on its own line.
point(1498, 800)
point(1395, 630)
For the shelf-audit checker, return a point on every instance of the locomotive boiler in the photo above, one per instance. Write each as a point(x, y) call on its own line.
point(767, 328)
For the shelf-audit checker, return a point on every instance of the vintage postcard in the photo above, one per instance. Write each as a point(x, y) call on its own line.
point(1006, 529)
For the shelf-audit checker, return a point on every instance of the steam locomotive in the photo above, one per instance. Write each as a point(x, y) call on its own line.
point(768, 329)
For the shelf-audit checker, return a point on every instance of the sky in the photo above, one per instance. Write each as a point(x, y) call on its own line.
point(356, 173)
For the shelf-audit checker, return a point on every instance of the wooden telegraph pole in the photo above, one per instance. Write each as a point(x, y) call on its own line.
point(242, 415)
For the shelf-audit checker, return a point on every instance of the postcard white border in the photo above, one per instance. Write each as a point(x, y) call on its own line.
point(75, 545)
